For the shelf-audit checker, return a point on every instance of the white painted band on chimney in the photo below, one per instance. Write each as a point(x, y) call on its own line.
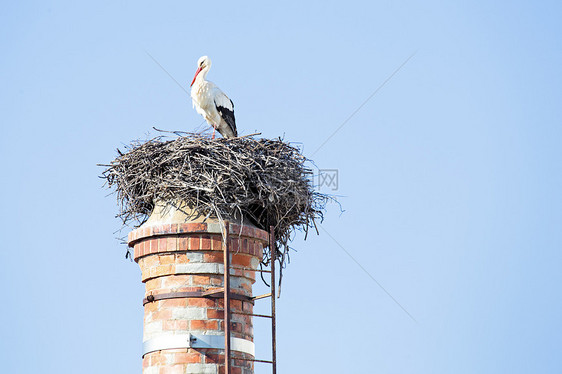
point(196, 341)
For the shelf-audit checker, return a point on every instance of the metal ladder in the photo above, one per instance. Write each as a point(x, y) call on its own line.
point(227, 297)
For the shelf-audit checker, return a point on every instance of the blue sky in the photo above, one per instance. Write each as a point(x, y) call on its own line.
point(449, 175)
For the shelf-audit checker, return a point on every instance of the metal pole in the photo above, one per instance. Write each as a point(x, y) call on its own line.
point(225, 247)
point(273, 250)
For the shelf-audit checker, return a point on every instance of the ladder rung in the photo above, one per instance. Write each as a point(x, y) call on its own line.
point(261, 296)
point(252, 314)
point(248, 269)
point(253, 360)
point(213, 292)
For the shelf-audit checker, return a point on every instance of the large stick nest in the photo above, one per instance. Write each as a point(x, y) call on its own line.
point(265, 181)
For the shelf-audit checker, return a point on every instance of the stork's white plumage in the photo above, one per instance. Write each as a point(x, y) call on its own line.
point(211, 102)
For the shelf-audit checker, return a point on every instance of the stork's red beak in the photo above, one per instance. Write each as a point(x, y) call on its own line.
point(196, 73)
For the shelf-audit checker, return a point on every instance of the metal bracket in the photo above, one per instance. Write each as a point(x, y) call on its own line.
point(202, 341)
point(213, 294)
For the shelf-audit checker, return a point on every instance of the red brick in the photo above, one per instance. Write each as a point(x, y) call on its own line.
point(173, 325)
point(147, 231)
point(199, 324)
point(197, 227)
point(173, 281)
point(152, 247)
point(216, 257)
point(187, 357)
point(212, 325)
point(176, 369)
point(161, 314)
point(156, 358)
point(181, 258)
point(150, 307)
point(254, 251)
point(153, 284)
point(217, 280)
point(145, 274)
point(162, 244)
point(172, 303)
point(259, 252)
point(214, 358)
point(164, 270)
point(213, 313)
point(241, 260)
point(239, 363)
point(172, 243)
point(201, 280)
point(158, 230)
point(137, 251)
point(238, 272)
point(136, 255)
point(167, 259)
point(139, 247)
point(201, 302)
point(236, 304)
point(247, 307)
point(194, 243)
point(151, 261)
point(216, 243)
point(183, 244)
point(205, 242)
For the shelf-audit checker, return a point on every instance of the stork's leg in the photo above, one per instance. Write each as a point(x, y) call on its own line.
point(214, 129)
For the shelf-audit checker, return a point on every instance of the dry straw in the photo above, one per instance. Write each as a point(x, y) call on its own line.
point(266, 181)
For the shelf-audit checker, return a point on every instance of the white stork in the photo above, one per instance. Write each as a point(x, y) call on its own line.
point(211, 102)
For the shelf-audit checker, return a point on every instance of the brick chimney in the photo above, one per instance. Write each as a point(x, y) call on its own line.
point(181, 259)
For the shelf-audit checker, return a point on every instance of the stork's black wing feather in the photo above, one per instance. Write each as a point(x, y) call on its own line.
point(227, 112)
